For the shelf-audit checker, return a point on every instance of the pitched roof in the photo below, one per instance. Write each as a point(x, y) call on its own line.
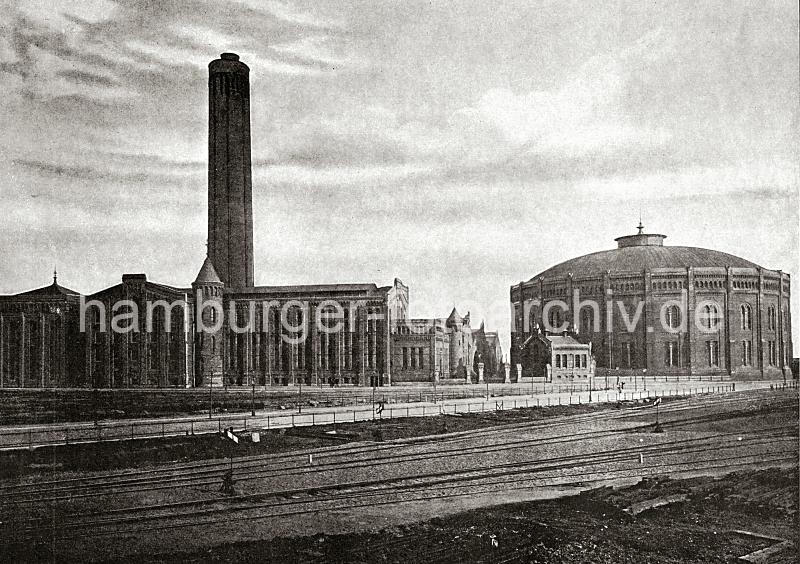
point(311, 289)
point(562, 340)
point(53, 289)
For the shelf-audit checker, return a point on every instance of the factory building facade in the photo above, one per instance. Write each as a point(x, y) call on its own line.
point(222, 329)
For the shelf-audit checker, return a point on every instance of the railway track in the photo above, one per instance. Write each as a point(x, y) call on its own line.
point(260, 467)
point(764, 445)
point(290, 464)
point(453, 486)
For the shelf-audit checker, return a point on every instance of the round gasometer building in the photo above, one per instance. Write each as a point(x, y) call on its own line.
point(649, 308)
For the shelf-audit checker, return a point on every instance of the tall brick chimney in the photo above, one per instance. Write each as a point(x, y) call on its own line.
point(230, 192)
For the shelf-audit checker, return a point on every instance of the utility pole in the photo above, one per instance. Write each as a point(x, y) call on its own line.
point(253, 397)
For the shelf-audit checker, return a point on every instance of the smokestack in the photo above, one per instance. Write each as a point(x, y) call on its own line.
point(230, 193)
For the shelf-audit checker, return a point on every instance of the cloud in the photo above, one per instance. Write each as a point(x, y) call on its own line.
point(152, 171)
point(89, 78)
point(452, 145)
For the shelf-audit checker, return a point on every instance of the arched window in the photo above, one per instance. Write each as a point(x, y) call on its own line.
point(673, 316)
point(746, 320)
point(710, 316)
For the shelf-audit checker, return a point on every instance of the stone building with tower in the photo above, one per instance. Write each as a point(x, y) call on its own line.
point(222, 328)
point(700, 312)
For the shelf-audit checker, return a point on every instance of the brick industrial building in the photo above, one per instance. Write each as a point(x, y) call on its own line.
point(42, 343)
point(444, 351)
point(702, 311)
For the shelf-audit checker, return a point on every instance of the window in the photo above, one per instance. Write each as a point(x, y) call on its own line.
point(421, 362)
point(628, 355)
point(586, 321)
point(710, 316)
point(584, 360)
point(712, 353)
point(558, 361)
point(670, 354)
point(554, 319)
point(747, 353)
point(772, 353)
point(405, 357)
point(673, 317)
point(771, 318)
point(747, 322)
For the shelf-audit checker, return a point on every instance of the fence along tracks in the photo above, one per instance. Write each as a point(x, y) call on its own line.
point(711, 451)
point(358, 455)
point(296, 461)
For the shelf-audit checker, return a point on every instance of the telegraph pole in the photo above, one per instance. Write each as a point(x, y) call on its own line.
point(253, 397)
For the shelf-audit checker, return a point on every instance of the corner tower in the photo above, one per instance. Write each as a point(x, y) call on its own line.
point(230, 193)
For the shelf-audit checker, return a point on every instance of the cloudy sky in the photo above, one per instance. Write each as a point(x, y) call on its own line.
point(460, 146)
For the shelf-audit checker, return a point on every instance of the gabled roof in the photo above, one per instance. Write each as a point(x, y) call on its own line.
point(207, 274)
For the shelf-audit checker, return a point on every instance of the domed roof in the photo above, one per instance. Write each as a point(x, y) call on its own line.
point(642, 252)
point(207, 274)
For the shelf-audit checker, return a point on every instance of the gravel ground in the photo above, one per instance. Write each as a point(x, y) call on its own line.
point(509, 462)
point(591, 527)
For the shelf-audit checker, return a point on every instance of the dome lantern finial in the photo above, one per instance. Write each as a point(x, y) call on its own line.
point(55, 276)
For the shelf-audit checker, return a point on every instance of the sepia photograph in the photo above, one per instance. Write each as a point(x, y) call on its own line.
point(399, 281)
